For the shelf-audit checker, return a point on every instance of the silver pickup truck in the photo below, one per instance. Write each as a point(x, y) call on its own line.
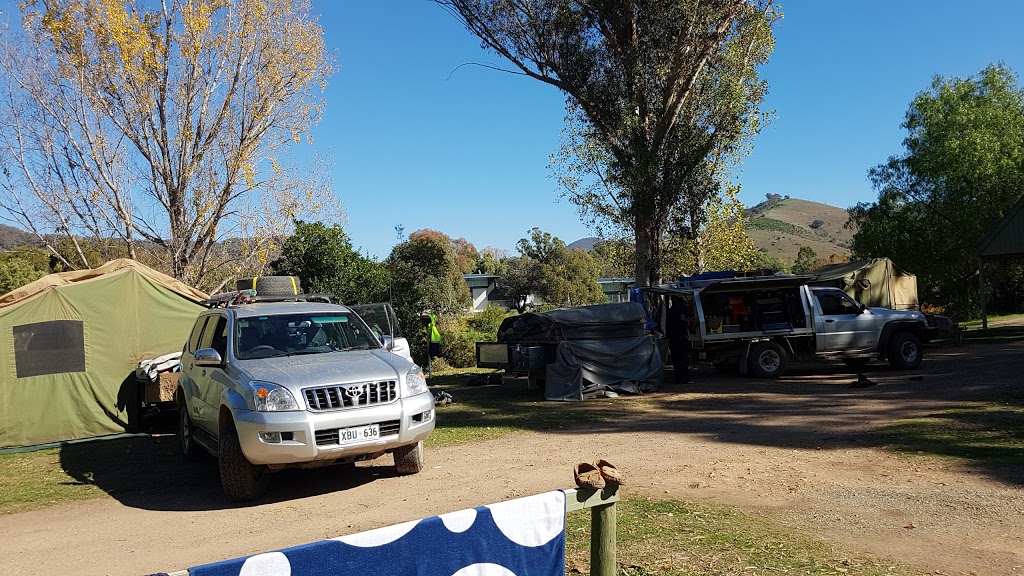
point(756, 325)
point(270, 385)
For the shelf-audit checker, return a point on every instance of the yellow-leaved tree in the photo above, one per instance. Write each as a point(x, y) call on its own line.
point(719, 243)
point(163, 125)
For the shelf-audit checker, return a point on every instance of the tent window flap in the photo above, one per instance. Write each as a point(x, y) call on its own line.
point(53, 347)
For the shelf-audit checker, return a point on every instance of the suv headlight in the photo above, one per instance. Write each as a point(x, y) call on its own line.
point(415, 381)
point(272, 398)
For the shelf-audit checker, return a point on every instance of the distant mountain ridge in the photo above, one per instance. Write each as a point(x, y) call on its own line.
point(587, 243)
point(11, 238)
point(781, 225)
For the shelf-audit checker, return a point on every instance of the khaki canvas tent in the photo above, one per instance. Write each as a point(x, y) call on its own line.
point(71, 342)
point(877, 282)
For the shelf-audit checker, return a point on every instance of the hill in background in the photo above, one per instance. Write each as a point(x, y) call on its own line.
point(780, 226)
point(587, 243)
point(11, 238)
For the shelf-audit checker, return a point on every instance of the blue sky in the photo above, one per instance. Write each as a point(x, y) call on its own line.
point(419, 142)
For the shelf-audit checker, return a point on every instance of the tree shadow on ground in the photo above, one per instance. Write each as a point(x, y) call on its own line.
point(149, 472)
point(959, 387)
point(964, 403)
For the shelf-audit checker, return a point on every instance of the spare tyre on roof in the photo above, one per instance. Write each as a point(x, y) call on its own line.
point(271, 285)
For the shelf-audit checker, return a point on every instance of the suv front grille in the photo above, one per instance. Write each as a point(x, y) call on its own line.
point(350, 395)
point(330, 436)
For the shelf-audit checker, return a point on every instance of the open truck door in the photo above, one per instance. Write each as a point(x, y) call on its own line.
point(380, 317)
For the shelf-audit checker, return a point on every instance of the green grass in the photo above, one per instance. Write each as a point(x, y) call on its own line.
point(976, 323)
point(994, 335)
point(33, 480)
point(669, 537)
point(491, 411)
point(991, 432)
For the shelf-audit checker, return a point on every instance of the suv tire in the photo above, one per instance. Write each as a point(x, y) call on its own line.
point(187, 432)
point(409, 459)
point(767, 360)
point(904, 351)
point(241, 480)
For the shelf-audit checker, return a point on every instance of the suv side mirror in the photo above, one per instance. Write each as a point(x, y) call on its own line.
point(208, 357)
point(388, 341)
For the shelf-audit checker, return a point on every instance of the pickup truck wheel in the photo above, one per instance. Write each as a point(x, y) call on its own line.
point(241, 480)
point(409, 459)
point(856, 363)
point(186, 432)
point(767, 360)
point(904, 351)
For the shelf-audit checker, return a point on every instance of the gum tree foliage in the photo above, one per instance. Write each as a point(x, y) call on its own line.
point(654, 88)
point(616, 257)
point(22, 266)
point(163, 125)
point(806, 258)
point(323, 259)
point(962, 169)
point(520, 280)
point(766, 261)
point(491, 261)
point(426, 275)
point(561, 277)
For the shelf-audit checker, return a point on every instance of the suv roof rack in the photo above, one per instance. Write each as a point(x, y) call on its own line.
point(239, 297)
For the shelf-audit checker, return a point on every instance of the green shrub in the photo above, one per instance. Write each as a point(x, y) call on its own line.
point(489, 320)
point(773, 225)
point(459, 348)
point(459, 338)
point(439, 366)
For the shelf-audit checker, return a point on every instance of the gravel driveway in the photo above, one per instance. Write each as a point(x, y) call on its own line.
point(804, 451)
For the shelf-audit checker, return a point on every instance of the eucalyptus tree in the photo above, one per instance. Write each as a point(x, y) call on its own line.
point(659, 89)
point(962, 169)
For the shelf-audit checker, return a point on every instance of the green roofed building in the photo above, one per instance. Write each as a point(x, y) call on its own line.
point(71, 342)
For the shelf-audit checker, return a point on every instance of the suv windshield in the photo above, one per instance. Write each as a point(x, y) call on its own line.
point(288, 334)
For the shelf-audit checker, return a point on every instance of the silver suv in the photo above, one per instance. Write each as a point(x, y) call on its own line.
point(270, 385)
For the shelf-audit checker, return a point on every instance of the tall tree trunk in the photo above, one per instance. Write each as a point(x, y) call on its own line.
point(696, 243)
point(648, 256)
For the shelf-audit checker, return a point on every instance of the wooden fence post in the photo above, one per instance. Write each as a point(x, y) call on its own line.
point(602, 526)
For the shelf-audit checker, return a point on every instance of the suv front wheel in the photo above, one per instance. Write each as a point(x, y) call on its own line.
point(409, 459)
point(241, 480)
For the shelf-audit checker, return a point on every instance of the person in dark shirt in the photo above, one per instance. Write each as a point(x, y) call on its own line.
point(678, 343)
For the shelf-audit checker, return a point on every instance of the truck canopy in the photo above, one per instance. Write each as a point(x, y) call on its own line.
point(715, 286)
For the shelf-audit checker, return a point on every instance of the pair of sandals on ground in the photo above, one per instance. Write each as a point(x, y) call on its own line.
point(597, 475)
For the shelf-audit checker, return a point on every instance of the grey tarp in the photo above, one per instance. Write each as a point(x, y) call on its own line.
point(605, 347)
point(602, 321)
point(622, 365)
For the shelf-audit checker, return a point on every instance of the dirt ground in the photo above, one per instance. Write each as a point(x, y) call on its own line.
point(803, 451)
